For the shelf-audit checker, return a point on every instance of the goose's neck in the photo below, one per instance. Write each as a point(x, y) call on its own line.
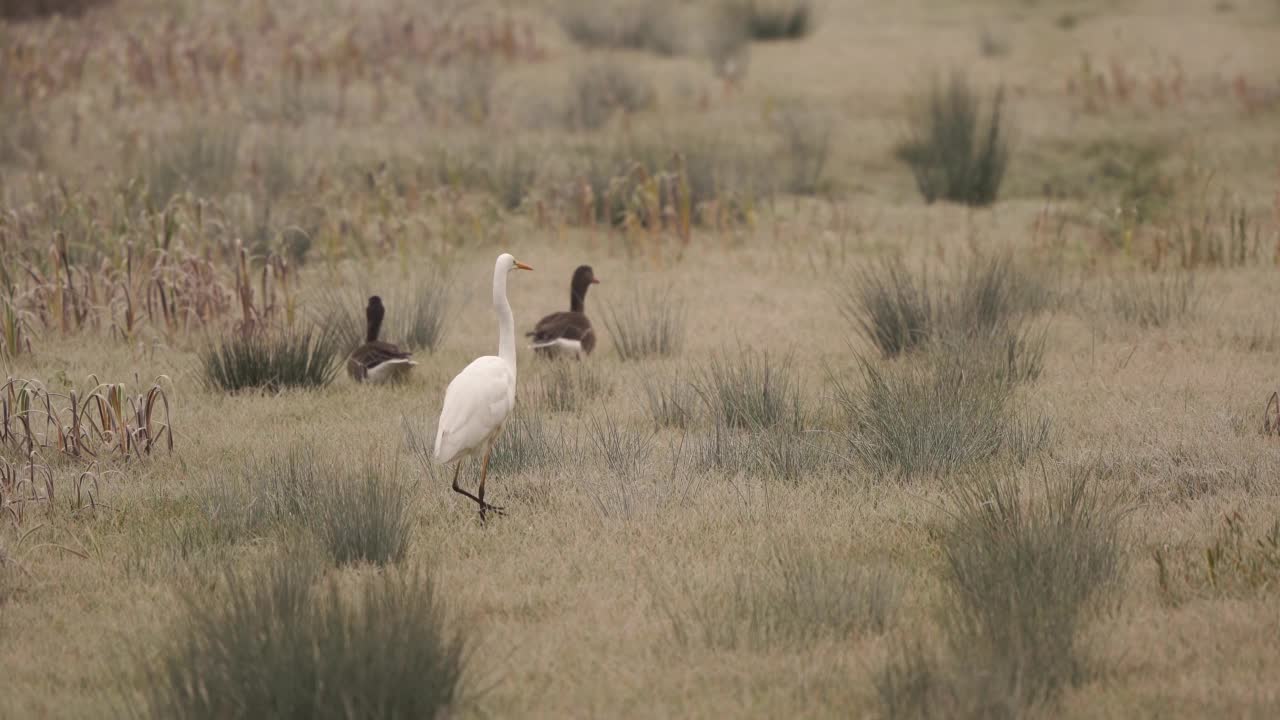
point(576, 299)
point(506, 322)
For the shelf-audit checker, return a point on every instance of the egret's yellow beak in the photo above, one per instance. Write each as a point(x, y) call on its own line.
point(522, 266)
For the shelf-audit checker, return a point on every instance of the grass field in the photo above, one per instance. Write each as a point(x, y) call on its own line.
point(840, 451)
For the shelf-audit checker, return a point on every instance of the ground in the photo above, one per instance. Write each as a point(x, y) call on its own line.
point(609, 586)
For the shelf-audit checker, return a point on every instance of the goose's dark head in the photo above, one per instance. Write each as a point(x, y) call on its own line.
point(373, 317)
point(583, 278)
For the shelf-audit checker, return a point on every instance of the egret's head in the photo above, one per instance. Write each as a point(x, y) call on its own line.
point(508, 263)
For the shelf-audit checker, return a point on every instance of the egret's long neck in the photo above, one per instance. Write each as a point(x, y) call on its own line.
point(506, 323)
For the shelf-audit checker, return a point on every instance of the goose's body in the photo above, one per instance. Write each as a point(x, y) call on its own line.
point(479, 399)
point(568, 333)
point(376, 361)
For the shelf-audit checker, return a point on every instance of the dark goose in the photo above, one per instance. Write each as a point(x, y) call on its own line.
point(568, 333)
point(375, 361)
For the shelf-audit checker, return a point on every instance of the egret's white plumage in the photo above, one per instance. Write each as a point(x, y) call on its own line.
point(476, 404)
point(481, 397)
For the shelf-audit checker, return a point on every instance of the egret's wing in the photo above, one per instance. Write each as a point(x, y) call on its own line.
point(476, 404)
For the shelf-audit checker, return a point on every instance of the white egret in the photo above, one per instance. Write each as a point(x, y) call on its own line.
point(377, 361)
point(481, 397)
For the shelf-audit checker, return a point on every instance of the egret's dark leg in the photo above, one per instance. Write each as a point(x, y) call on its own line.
point(457, 469)
point(484, 472)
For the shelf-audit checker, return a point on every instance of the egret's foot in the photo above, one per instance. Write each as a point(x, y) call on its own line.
point(487, 508)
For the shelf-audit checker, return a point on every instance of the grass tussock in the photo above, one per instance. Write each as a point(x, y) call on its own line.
point(806, 148)
point(1024, 577)
point(285, 643)
point(768, 20)
point(751, 390)
point(795, 595)
point(624, 450)
point(199, 158)
point(1155, 300)
point(601, 90)
point(524, 445)
point(34, 9)
point(890, 306)
point(1241, 559)
point(362, 518)
point(272, 360)
point(417, 318)
point(941, 412)
point(670, 399)
point(988, 298)
point(625, 24)
point(955, 153)
point(651, 323)
point(570, 386)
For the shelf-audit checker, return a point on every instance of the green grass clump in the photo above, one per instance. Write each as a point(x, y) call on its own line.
point(417, 317)
point(272, 360)
point(649, 324)
point(523, 445)
point(670, 399)
point(602, 89)
point(283, 643)
point(988, 299)
point(1024, 576)
point(363, 518)
point(956, 154)
point(198, 158)
point(750, 390)
point(1156, 300)
point(792, 597)
point(570, 386)
point(767, 20)
point(890, 306)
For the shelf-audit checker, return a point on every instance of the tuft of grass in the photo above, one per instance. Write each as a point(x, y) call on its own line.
point(362, 518)
point(989, 299)
point(461, 92)
point(32, 9)
point(942, 411)
point(602, 89)
point(199, 158)
point(624, 451)
point(788, 454)
point(669, 399)
point(523, 445)
point(650, 323)
point(1242, 559)
point(806, 144)
point(512, 175)
point(751, 390)
point(1155, 300)
point(271, 361)
point(1024, 575)
point(956, 154)
point(890, 306)
point(650, 26)
point(417, 318)
point(768, 20)
point(793, 596)
point(570, 386)
point(723, 450)
point(281, 643)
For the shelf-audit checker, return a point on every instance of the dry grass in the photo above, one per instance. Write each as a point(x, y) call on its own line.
point(179, 172)
point(285, 641)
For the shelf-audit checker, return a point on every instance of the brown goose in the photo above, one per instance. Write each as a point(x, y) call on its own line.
point(375, 361)
point(568, 333)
